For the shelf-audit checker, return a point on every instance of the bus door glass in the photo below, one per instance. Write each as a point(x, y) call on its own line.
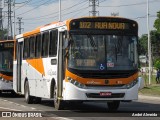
point(19, 64)
point(61, 63)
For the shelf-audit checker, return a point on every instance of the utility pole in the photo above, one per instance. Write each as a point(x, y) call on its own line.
point(149, 43)
point(59, 10)
point(9, 3)
point(20, 23)
point(1, 16)
point(14, 18)
point(94, 3)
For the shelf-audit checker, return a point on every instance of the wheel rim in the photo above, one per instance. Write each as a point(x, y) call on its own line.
point(55, 96)
point(26, 92)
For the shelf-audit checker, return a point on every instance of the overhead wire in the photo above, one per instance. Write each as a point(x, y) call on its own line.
point(56, 11)
point(25, 3)
point(43, 17)
point(63, 14)
point(34, 8)
point(87, 8)
point(134, 4)
point(64, 10)
point(141, 17)
point(35, 2)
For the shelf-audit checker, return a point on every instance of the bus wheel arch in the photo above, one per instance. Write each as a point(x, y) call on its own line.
point(28, 97)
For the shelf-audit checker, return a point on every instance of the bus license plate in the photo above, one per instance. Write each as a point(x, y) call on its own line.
point(105, 93)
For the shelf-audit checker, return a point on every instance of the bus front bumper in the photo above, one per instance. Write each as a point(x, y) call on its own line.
point(6, 85)
point(72, 92)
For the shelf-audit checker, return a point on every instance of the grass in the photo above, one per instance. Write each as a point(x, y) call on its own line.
point(146, 79)
point(153, 89)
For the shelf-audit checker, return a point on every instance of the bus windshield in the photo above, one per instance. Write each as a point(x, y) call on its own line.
point(6, 60)
point(103, 52)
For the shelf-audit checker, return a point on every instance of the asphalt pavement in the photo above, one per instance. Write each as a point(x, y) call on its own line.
point(149, 97)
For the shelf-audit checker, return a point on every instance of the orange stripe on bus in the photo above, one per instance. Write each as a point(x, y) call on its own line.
point(6, 77)
point(68, 24)
point(36, 31)
point(118, 81)
point(37, 64)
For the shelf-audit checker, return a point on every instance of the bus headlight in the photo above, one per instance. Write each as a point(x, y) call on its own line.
point(76, 83)
point(131, 84)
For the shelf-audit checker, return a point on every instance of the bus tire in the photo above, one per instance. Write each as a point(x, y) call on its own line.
point(38, 100)
point(52, 88)
point(113, 106)
point(58, 104)
point(13, 93)
point(28, 98)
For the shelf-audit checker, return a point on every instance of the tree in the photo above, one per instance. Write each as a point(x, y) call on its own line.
point(157, 64)
point(143, 45)
point(155, 44)
point(156, 41)
point(3, 34)
point(157, 22)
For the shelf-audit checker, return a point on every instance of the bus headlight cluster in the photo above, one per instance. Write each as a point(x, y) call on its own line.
point(131, 84)
point(4, 80)
point(76, 83)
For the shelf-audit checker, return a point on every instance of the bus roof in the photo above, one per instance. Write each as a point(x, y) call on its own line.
point(63, 23)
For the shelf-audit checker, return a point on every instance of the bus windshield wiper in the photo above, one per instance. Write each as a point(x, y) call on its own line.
point(70, 42)
point(92, 42)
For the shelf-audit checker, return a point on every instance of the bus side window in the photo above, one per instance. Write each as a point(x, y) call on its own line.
point(32, 47)
point(38, 44)
point(53, 43)
point(25, 48)
point(45, 42)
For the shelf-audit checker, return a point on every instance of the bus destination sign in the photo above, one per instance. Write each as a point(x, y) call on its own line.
point(102, 25)
point(7, 45)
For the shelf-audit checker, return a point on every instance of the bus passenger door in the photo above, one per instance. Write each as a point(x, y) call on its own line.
point(61, 63)
point(19, 64)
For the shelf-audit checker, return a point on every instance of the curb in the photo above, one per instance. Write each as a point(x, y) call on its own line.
point(149, 97)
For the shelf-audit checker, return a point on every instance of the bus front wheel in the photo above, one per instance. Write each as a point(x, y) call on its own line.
point(113, 106)
point(28, 98)
point(58, 104)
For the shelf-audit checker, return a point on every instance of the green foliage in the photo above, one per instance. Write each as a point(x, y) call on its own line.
point(143, 45)
point(3, 34)
point(157, 22)
point(155, 42)
point(155, 45)
point(157, 64)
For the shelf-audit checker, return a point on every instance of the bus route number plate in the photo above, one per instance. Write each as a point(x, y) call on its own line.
point(105, 93)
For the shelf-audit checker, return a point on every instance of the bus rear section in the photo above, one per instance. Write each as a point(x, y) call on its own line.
point(83, 59)
point(6, 65)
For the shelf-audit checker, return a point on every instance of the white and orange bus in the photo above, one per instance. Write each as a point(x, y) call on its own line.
point(83, 59)
point(6, 65)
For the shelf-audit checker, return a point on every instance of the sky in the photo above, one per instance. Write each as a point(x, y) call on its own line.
point(35, 13)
